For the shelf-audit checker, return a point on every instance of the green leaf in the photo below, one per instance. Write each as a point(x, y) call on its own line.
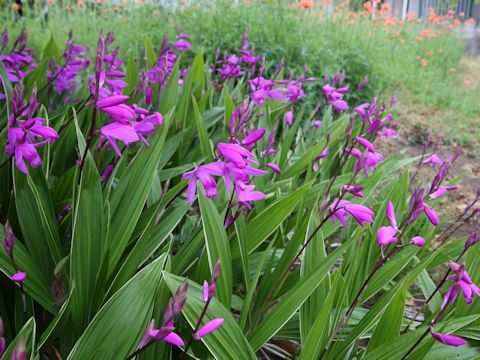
point(37, 218)
point(314, 255)
point(389, 271)
point(150, 240)
point(293, 299)
point(88, 238)
point(217, 247)
point(202, 132)
point(264, 224)
point(389, 325)
point(128, 198)
point(119, 325)
point(132, 75)
point(307, 158)
point(397, 347)
point(168, 99)
point(368, 320)
point(150, 53)
point(318, 334)
point(226, 342)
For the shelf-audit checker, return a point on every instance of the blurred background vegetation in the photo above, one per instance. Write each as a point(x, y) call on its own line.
point(418, 61)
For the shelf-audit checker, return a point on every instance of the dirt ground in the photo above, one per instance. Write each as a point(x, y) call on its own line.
point(418, 122)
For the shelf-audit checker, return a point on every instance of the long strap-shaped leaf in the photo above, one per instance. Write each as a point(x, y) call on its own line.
point(218, 247)
point(291, 301)
point(118, 327)
point(129, 197)
point(87, 243)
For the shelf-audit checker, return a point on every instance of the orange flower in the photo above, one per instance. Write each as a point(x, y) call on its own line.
point(395, 33)
point(401, 41)
point(425, 62)
point(466, 82)
point(368, 7)
point(16, 6)
point(386, 7)
point(419, 39)
point(50, 2)
point(306, 4)
point(470, 21)
point(429, 52)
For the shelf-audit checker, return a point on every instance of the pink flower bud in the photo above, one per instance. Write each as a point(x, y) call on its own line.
point(274, 167)
point(112, 101)
point(417, 241)
point(253, 137)
point(205, 290)
point(19, 276)
point(448, 339)
point(366, 144)
point(208, 328)
point(289, 118)
point(390, 211)
point(8, 238)
point(20, 352)
point(431, 214)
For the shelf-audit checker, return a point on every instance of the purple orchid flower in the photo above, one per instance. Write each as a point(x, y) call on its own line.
point(386, 236)
point(434, 160)
point(23, 135)
point(340, 210)
point(462, 282)
point(182, 44)
point(204, 174)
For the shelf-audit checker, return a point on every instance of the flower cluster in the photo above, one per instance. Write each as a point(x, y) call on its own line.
point(19, 61)
point(334, 96)
point(387, 235)
point(128, 123)
point(63, 76)
point(234, 167)
point(25, 132)
point(340, 209)
point(372, 115)
point(157, 75)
